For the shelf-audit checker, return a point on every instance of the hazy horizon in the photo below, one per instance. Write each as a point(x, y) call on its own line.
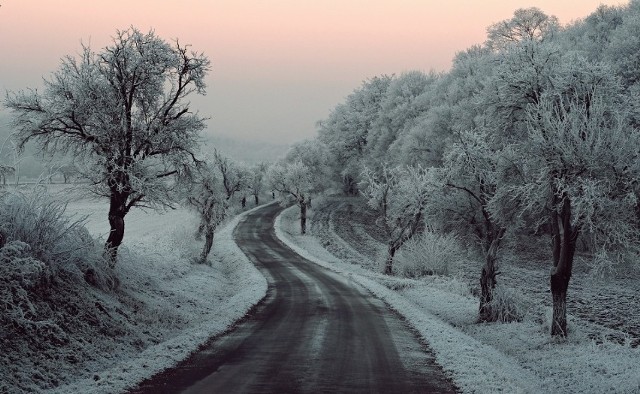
point(278, 66)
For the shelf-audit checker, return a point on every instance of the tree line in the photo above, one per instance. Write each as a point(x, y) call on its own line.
point(533, 133)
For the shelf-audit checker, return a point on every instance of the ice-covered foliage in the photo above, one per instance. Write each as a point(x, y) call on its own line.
point(405, 99)
point(346, 131)
point(257, 182)
point(507, 304)
point(208, 197)
point(430, 253)
point(52, 236)
point(527, 24)
point(295, 184)
point(235, 176)
point(20, 274)
point(399, 195)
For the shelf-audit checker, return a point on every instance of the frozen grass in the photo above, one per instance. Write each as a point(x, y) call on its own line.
point(518, 357)
point(164, 308)
point(429, 253)
point(507, 305)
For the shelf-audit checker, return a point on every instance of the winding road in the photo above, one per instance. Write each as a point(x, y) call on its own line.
point(315, 331)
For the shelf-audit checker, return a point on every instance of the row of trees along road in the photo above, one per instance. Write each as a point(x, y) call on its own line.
point(532, 134)
point(210, 189)
point(122, 115)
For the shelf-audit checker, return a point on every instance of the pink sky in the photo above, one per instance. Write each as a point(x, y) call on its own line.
point(278, 66)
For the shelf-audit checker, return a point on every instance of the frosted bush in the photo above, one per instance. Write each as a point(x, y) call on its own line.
point(19, 275)
point(54, 238)
point(507, 305)
point(430, 253)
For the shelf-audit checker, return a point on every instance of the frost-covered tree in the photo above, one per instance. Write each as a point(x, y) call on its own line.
point(471, 172)
point(592, 35)
point(622, 50)
point(294, 181)
point(317, 158)
point(406, 98)
point(346, 131)
point(579, 162)
point(208, 198)
point(256, 181)
point(399, 195)
point(527, 24)
point(68, 171)
point(122, 114)
point(234, 176)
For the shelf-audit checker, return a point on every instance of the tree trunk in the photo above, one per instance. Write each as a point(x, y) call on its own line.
point(200, 230)
point(208, 243)
point(559, 285)
point(350, 186)
point(487, 285)
point(117, 211)
point(303, 218)
point(257, 199)
point(388, 265)
point(489, 272)
point(564, 239)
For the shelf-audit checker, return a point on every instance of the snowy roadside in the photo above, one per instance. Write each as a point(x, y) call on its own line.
point(205, 300)
point(482, 358)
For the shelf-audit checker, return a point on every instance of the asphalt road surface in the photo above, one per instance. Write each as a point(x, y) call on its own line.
point(315, 332)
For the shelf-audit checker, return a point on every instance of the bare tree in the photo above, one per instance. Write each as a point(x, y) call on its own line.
point(121, 113)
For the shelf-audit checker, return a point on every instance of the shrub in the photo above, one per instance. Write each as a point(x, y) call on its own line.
point(57, 240)
point(507, 305)
point(430, 253)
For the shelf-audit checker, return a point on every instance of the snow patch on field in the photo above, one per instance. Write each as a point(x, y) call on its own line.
point(483, 358)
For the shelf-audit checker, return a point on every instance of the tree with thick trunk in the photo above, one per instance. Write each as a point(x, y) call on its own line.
point(122, 115)
point(564, 236)
point(579, 173)
point(469, 172)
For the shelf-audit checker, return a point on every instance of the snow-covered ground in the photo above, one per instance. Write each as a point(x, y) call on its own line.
point(484, 358)
point(168, 304)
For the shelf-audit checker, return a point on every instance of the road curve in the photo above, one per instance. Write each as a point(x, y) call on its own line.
point(315, 331)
